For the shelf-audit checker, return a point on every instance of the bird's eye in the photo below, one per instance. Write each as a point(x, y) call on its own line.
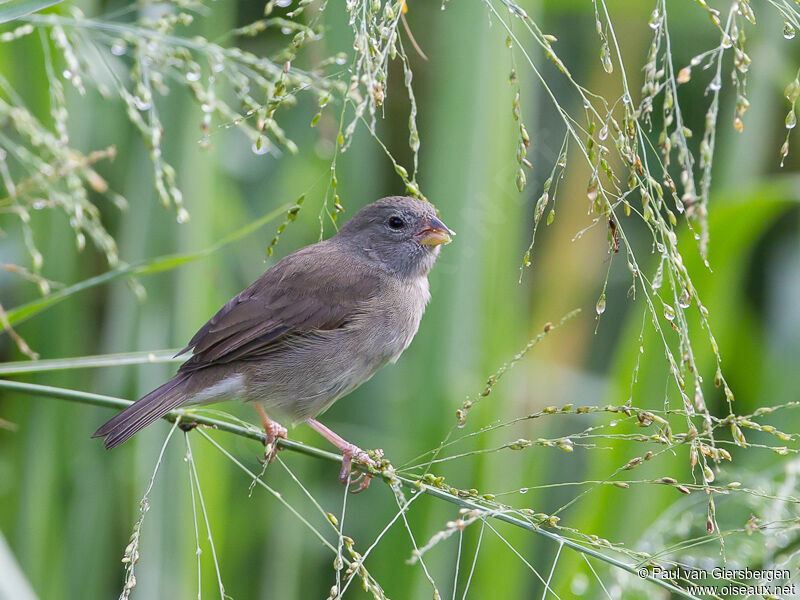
point(396, 223)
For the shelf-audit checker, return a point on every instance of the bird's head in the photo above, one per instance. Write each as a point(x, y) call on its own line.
point(400, 234)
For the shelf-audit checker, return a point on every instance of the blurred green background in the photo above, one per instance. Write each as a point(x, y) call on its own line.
point(67, 507)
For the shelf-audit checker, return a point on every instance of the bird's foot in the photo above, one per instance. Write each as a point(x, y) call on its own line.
point(350, 452)
point(360, 482)
point(273, 431)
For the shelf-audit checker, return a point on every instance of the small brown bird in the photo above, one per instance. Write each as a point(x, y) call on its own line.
point(311, 329)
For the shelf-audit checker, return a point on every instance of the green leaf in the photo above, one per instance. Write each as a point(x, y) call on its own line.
point(154, 265)
point(14, 9)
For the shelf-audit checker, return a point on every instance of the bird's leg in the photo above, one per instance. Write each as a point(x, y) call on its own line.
point(349, 452)
point(274, 430)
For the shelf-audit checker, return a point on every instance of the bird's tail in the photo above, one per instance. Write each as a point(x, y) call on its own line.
point(144, 411)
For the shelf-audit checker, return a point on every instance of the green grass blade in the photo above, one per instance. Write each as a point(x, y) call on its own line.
point(88, 362)
point(14, 9)
point(154, 265)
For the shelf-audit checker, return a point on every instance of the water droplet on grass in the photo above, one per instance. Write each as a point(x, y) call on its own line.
point(600, 307)
point(655, 20)
point(685, 299)
point(669, 312)
point(259, 148)
point(141, 104)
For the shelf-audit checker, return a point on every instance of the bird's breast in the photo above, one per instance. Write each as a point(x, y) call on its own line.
point(395, 316)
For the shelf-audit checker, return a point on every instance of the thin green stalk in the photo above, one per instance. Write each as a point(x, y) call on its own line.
point(186, 417)
point(416, 485)
point(87, 362)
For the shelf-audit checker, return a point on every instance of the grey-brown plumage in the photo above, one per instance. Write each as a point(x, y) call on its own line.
point(313, 327)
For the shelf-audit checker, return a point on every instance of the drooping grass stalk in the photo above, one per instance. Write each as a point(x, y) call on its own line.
point(147, 267)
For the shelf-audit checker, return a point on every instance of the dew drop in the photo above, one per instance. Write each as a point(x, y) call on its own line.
point(67, 74)
point(259, 147)
point(788, 31)
point(523, 490)
point(118, 49)
point(192, 76)
point(600, 307)
point(282, 3)
point(791, 119)
point(655, 20)
point(685, 299)
point(669, 312)
point(141, 104)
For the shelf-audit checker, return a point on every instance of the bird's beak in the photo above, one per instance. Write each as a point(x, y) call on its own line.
point(434, 233)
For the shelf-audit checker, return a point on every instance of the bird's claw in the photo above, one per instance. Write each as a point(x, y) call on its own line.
point(273, 431)
point(363, 479)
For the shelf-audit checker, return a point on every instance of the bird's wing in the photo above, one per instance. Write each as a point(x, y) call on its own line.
point(315, 289)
